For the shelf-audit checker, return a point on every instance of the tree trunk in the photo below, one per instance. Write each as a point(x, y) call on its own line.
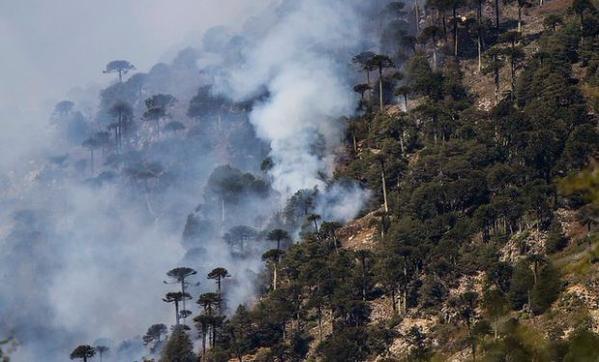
point(496, 72)
point(512, 75)
point(444, 25)
point(91, 150)
point(520, 17)
point(204, 345)
point(222, 209)
point(455, 31)
point(177, 312)
point(183, 291)
point(405, 100)
point(497, 14)
point(213, 335)
point(417, 11)
point(381, 105)
point(369, 91)
point(384, 189)
point(402, 147)
point(435, 56)
point(363, 279)
point(120, 76)
point(581, 28)
point(274, 276)
point(479, 50)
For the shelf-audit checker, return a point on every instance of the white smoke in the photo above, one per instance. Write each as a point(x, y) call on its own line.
point(97, 268)
point(302, 60)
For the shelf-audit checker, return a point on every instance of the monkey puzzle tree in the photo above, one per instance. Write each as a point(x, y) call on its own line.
point(63, 108)
point(514, 54)
point(299, 206)
point(219, 274)
point(83, 352)
point(123, 113)
point(99, 140)
point(365, 258)
point(176, 298)
point(493, 64)
point(209, 320)
point(91, 144)
point(101, 351)
point(364, 61)
point(361, 89)
point(203, 322)
point(157, 107)
point(380, 159)
point(178, 275)
point(154, 335)
point(579, 7)
point(121, 67)
point(380, 62)
point(278, 235)
point(313, 218)
point(329, 231)
point(521, 4)
point(455, 4)
point(238, 236)
point(431, 34)
point(272, 258)
point(209, 301)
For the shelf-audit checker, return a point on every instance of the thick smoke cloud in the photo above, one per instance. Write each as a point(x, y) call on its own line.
point(84, 257)
point(301, 60)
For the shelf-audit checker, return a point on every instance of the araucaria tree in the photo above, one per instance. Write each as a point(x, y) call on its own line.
point(380, 62)
point(102, 350)
point(153, 336)
point(218, 274)
point(278, 235)
point(123, 114)
point(121, 67)
point(157, 107)
point(272, 257)
point(178, 275)
point(83, 352)
point(176, 298)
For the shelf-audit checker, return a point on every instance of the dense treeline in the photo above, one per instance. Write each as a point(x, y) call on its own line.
point(456, 183)
point(453, 185)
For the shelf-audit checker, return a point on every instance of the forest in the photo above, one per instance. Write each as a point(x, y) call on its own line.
point(398, 181)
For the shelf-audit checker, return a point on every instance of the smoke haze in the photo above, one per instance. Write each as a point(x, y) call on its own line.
point(83, 253)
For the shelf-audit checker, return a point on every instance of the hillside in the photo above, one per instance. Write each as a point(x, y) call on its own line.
point(486, 252)
point(335, 180)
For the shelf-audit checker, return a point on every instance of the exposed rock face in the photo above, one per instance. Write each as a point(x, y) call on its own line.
point(523, 243)
point(360, 233)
